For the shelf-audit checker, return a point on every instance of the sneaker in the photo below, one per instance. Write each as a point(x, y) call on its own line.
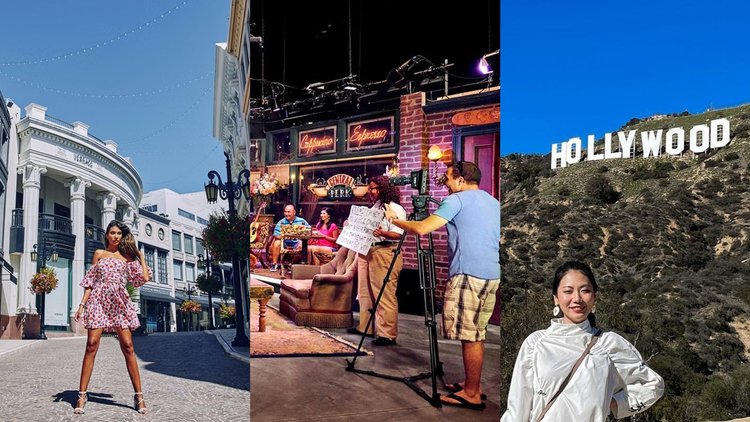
point(383, 341)
point(274, 268)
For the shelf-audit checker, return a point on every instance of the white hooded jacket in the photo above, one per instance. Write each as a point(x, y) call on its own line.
point(612, 369)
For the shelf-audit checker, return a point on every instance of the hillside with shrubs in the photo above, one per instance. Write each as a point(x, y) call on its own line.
point(669, 241)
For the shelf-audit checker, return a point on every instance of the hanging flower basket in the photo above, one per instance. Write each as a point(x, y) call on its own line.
point(190, 306)
point(224, 237)
point(45, 281)
point(226, 312)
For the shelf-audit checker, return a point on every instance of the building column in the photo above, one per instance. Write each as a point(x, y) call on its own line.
point(78, 216)
point(31, 181)
point(128, 216)
point(109, 206)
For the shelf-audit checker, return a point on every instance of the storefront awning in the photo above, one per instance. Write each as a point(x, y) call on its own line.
point(158, 294)
point(203, 300)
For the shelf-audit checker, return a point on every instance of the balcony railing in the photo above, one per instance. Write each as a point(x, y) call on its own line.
point(95, 233)
point(16, 219)
point(55, 223)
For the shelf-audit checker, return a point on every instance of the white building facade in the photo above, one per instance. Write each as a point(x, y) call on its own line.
point(229, 124)
point(65, 187)
point(186, 215)
point(157, 298)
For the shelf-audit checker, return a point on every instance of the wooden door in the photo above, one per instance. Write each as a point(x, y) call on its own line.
point(484, 151)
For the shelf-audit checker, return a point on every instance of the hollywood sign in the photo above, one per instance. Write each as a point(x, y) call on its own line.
point(715, 134)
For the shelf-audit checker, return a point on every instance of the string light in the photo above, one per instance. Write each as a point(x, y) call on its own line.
point(133, 94)
point(98, 45)
point(173, 121)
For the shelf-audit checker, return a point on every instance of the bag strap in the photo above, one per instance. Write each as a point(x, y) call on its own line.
point(593, 341)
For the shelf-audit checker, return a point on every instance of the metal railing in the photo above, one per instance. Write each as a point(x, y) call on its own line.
point(16, 219)
point(63, 123)
point(94, 233)
point(55, 223)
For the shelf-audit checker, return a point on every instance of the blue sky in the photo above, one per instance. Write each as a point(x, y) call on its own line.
point(573, 68)
point(113, 87)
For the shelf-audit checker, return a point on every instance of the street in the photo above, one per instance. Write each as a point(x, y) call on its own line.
point(186, 376)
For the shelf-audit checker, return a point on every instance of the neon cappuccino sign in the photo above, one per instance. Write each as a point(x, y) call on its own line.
point(715, 134)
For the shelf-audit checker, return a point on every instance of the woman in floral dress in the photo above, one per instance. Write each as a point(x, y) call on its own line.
point(106, 305)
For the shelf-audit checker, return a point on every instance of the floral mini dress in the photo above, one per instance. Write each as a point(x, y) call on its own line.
point(109, 306)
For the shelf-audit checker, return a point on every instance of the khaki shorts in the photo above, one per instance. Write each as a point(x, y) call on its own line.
point(468, 305)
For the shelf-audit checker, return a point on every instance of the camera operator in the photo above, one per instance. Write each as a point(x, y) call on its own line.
point(473, 224)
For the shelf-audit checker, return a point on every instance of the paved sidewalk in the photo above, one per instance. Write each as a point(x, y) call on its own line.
point(225, 338)
point(185, 376)
point(8, 347)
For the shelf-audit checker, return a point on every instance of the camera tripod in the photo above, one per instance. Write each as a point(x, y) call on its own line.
point(426, 260)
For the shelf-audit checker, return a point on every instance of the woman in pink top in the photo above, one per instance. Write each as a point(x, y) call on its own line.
point(324, 237)
point(106, 305)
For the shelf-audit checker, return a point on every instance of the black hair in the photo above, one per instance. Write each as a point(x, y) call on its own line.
point(388, 193)
point(468, 170)
point(583, 269)
point(330, 212)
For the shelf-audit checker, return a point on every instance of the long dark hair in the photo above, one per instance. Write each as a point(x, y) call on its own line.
point(127, 246)
point(388, 193)
point(583, 269)
point(327, 226)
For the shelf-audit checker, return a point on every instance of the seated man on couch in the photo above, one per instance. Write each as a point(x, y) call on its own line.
point(290, 217)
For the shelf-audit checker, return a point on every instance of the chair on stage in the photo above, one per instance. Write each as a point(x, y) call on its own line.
point(261, 235)
point(321, 295)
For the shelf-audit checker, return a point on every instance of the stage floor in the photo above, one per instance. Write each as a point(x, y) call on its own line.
point(319, 388)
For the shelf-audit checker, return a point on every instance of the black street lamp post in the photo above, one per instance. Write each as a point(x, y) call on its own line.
point(190, 290)
point(41, 259)
point(206, 263)
point(232, 191)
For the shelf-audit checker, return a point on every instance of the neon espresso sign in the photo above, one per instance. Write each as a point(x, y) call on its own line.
point(715, 134)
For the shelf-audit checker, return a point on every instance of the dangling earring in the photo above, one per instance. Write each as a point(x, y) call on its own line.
point(593, 309)
point(556, 311)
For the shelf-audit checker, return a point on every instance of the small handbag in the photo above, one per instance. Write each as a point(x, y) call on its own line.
point(586, 351)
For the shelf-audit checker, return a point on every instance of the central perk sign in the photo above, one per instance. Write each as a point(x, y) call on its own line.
point(338, 187)
point(317, 141)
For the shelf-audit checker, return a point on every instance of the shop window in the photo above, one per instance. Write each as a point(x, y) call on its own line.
point(310, 204)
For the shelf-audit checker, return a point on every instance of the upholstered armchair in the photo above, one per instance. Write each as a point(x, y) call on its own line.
point(321, 295)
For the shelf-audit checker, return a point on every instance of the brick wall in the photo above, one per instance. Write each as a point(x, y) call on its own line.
point(418, 132)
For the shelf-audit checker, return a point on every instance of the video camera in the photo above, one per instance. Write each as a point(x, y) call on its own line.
point(417, 179)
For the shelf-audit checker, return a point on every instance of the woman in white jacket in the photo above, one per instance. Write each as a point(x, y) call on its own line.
point(612, 377)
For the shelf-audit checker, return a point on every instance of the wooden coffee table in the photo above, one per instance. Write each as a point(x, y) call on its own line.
point(263, 292)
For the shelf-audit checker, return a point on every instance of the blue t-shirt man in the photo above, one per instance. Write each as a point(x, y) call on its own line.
point(473, 233)
point(290, 244)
